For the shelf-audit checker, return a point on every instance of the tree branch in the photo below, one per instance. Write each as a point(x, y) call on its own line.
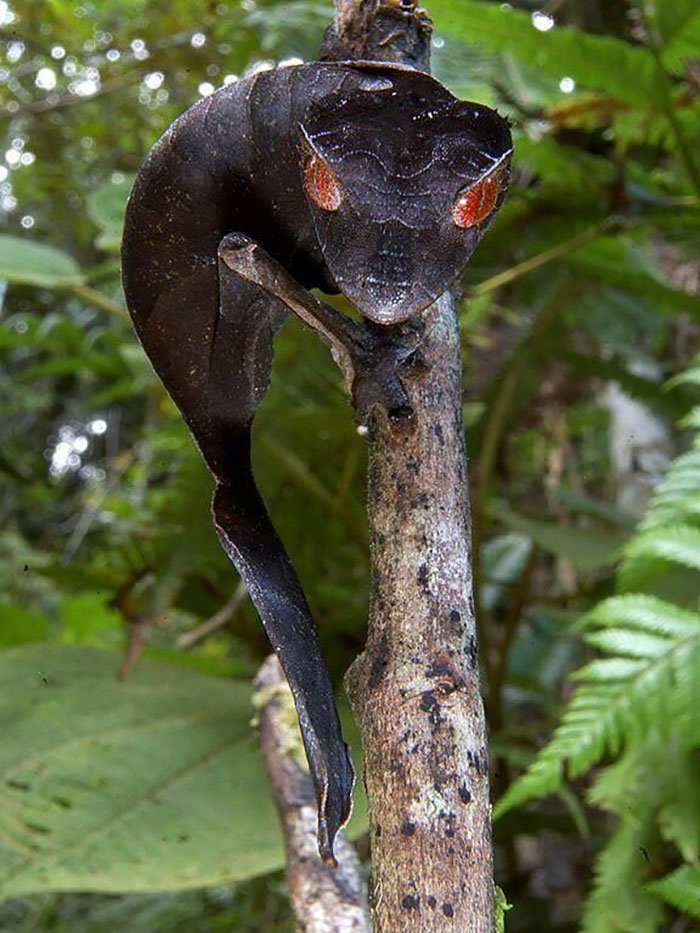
point(415, 689)
point(325, 900)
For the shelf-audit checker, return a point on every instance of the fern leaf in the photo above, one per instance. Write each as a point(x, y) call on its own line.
point(692, 419)
point(646, 613)
point(620, 696)
point(679, 544)
point(681, 889)
point(603, 63)
point(617, 903)
point(610, 670)
point(629, 643)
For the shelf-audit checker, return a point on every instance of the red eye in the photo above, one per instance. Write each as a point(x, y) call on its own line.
point(473, 205)
point(322, 184)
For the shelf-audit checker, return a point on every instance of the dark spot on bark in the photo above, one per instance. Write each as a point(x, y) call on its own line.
point(465, 794)
point(408, 828)
point(448, 910)
point(439, 434)
point(413, 466)
point(455, 617)
point(380, 662)
point(471, 651)
point(377, 832)
point(423, 578)
point(478, 760)
point(450, 830)
point(17, 785)
point(396, 766)
point(430, 705)
point(432, 902)
point(422, 501)
point(438, 669)
point(410, 902)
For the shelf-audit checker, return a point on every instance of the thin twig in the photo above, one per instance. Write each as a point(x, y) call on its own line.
point(220, 618)
point(325, 900)
point(91, 296)
point(544, 258)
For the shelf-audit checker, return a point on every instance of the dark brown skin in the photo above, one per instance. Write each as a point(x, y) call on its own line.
point(368, 179)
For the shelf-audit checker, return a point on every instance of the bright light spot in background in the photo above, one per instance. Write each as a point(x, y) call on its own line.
point(6, 14)
point(138, 47)
point(542, 21)
point(27, 158)
point(27, 221)
point(85, 88)
point(81, 443)
point(438, 42)
point(205, 89)
point(113, 55)
point(15, 50)
point(58, 52)
point(198, 40)
point(154, 80)
point(12, 157)
point(566, 85)
point(3, 173)
point(97, 426)
point(45, 79)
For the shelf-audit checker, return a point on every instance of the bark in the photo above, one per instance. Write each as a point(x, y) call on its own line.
point(415, 689)
point(325, 900)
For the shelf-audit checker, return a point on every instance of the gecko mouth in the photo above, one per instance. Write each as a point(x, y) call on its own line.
point(385, 301)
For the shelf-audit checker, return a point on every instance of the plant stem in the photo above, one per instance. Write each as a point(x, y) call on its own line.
point(543, 258)
point(91, 296)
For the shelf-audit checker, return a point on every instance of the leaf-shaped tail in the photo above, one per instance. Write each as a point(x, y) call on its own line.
point(253, 545)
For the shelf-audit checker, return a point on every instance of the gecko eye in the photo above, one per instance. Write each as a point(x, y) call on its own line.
point(322, 184)
point(474, 204)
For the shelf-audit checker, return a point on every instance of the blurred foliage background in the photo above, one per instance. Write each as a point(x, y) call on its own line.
point(580, 325)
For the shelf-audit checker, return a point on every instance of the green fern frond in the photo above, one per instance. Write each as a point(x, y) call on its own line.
point(645, 613)
point(680, 889)
point(639, 705)
point(620, 697)
point(692, 419)
point(604, 63)
point(679, 544)
point(617, 903)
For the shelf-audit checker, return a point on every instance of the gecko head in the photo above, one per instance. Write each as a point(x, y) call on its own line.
point(402, 179)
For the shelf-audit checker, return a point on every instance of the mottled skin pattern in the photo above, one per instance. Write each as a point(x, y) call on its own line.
point(401, 150)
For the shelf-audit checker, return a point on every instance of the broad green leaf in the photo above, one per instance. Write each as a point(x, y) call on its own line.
point(585, 548)
point(151, 784)
point(25, 262)
point(603, 63)
point(106, 207)
point(88, 619)
point(19, 625)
